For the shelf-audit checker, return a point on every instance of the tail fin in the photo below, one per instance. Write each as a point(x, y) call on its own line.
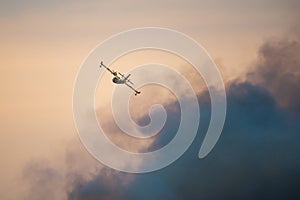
point(127, 79)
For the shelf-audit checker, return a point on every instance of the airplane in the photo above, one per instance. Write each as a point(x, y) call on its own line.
point(120, 78)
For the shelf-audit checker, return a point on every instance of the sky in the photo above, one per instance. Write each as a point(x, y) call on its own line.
point(255, 45)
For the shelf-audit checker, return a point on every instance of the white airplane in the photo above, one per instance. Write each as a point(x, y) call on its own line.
point(120, 80)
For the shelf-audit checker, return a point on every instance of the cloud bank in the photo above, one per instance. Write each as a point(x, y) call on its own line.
point(257, 156)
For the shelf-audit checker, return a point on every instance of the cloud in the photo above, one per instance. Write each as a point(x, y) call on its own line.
point(45, 182)
point(257, 156)
point(107, 184)
point(277, 69)
point(55, 180)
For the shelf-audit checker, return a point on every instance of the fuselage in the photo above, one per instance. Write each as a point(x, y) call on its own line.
point(117, 80)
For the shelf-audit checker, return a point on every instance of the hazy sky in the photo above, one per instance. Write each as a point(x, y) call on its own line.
point(43, 43)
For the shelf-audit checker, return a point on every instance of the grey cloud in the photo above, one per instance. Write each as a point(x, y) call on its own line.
point(278, 70)
point(45, 182)
point(256, 157)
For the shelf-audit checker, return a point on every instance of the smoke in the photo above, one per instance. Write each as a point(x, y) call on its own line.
point(278, 70)
point(61, 180)
point(257, 156)
point(45, 182)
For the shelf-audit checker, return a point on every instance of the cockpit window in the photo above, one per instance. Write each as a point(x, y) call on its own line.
point(115, 80)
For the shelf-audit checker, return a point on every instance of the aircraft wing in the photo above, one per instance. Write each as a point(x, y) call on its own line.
point(108, 69)
point(136, 91)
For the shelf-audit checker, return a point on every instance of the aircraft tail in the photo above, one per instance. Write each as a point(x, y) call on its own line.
point(127, 79)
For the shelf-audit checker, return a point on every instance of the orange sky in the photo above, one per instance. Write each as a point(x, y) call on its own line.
point(42, 46)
